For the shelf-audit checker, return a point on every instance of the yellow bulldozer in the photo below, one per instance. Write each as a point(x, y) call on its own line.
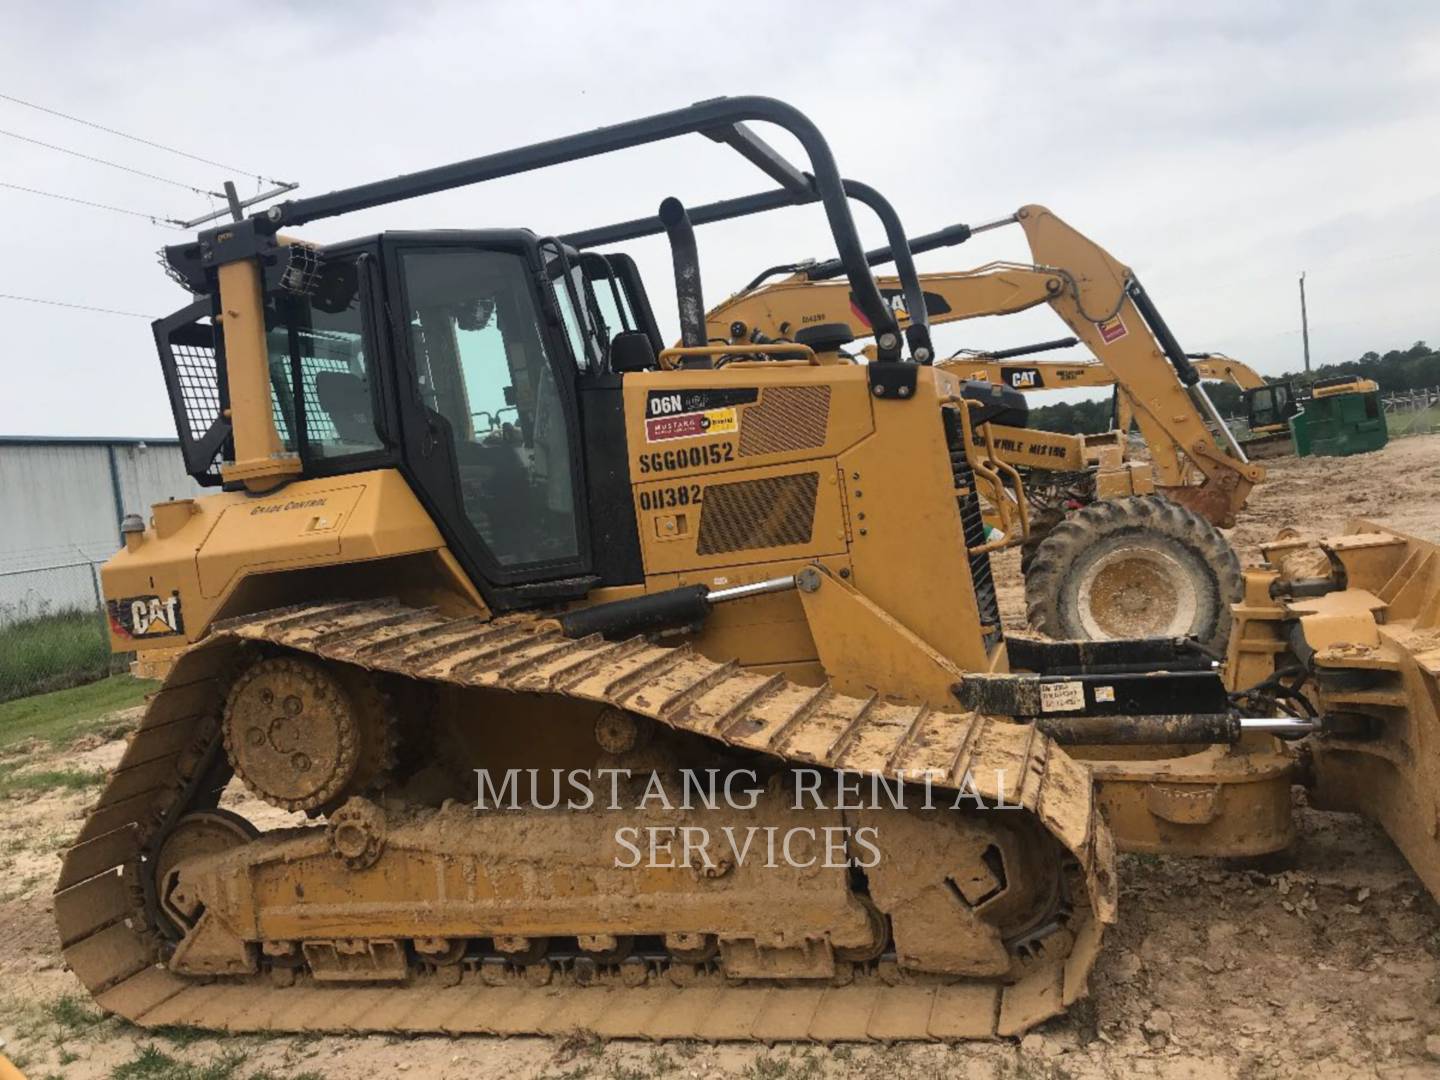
point(594, 684)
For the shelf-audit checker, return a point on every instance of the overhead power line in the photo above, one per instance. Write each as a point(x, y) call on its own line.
point(136, 138)
point(78, 307)
point(112, 164)
point(155, 219)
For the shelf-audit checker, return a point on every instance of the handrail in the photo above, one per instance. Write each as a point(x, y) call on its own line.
point(987, 470)
point(668, 357)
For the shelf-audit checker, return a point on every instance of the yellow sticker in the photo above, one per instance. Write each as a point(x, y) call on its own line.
point(721, 422)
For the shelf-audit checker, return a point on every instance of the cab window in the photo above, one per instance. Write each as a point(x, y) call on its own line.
point(319, 373)
point(578, 325)
point(483, 372)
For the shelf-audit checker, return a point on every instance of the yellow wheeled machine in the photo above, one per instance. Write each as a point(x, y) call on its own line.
point(1118, 547)
point(610, 687)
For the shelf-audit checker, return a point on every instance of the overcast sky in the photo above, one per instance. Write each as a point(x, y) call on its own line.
point(1218, 149)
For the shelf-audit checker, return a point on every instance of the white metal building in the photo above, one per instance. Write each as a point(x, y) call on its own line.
point(61, 501)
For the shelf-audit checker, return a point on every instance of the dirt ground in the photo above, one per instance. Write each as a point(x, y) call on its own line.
point(1320, 961)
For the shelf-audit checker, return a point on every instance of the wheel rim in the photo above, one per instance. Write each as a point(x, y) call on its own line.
point(1137, 592)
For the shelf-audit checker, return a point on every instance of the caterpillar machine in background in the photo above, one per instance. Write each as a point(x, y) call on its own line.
point(1105, 557)
point(1016, 369)
point(1341, 415)
point(472, 515)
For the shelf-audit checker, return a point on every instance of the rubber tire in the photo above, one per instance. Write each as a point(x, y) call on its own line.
point(1042, 524)
point(1053, 576)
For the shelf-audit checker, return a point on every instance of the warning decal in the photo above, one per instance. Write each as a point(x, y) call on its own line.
point(1062, 696)
point(1112, 330)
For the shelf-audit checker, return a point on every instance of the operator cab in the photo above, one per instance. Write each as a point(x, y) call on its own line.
point(486, 366)
point(1269, 408)
point(482, 364)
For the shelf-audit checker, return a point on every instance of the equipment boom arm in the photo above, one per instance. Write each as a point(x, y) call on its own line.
point(1096, 296)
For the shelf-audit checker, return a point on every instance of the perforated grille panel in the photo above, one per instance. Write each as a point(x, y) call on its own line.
point(774, 512)
point(199, 389)
point(188, 354)
point(973, 522)
point(786, 418)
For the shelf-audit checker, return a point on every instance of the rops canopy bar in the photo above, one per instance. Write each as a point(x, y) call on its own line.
point(722, 119)
point(898, 250)
point(724, 210)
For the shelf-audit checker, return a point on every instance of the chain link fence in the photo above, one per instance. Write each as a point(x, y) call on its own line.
point(39, 592)
point(54, 631)
point(1412, 412)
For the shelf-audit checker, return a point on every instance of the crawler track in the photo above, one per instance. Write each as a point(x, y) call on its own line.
point(108, 940)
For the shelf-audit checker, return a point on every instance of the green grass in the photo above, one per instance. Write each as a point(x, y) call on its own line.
point(13, 782)
point(53, 651)
point(73, 1013)
point(152, 1063)
point(63, 715)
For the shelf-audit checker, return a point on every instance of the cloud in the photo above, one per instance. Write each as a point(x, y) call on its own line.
point(1218, 149)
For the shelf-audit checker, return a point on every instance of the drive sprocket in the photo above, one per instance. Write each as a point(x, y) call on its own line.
point(303, 738)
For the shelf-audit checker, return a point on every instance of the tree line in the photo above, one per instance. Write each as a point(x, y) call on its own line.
point(1398, 370)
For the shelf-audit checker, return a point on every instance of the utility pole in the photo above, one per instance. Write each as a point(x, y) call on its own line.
point(1304, 323)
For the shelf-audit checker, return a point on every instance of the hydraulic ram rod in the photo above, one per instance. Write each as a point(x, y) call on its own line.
point(1199, 728)
point(755, 588)
point(1180, 361)
point(673, 609)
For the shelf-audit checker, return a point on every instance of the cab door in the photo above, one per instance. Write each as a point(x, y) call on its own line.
point(488, 410)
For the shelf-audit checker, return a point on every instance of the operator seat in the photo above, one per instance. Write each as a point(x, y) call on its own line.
point(346, 401)
point(632, 350)
point(999, 404)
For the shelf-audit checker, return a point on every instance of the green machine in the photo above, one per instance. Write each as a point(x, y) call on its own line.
point(1342, 416)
